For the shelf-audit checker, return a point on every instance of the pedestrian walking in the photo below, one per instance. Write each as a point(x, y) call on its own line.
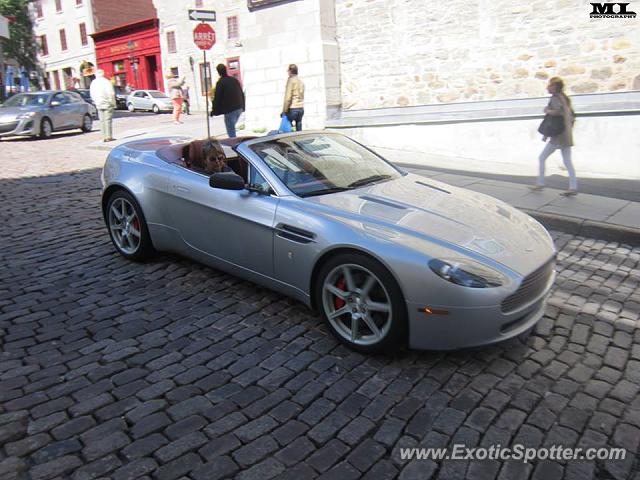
point(293, 106)
point(559, 110)
point(174, 84)
point(104, 97)
point(228, 100)
point(187, 100)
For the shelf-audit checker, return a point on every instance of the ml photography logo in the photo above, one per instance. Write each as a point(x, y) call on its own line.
point(608, 10)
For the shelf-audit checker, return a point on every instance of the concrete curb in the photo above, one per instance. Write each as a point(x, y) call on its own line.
point(587, 228)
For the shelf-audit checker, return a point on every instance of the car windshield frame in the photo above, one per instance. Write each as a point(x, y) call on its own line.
point(14, 101)
point(313, 164)
point(157, 94)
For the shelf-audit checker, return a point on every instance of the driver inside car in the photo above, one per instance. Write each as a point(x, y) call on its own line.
point(215, 161)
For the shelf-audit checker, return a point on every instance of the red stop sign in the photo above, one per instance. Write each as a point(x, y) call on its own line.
point(204, 36)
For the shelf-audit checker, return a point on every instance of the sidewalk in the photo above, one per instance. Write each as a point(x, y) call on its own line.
point(597, 216)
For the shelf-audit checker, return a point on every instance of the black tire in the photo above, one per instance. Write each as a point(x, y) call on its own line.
point(396, 333)
point(155, 109)
point(87, 127)
point(46, 128)
point(141, 251)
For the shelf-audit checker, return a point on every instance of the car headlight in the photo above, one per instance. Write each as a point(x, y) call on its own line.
point(467, 273)
point(22, 116)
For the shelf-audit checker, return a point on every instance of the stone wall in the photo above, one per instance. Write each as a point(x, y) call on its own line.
point(412, 52)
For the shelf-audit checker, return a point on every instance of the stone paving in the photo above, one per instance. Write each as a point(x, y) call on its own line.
point(172, 370)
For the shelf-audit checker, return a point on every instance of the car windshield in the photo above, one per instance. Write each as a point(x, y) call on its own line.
point(317, 164)
point(27, 100)
point(155, 94)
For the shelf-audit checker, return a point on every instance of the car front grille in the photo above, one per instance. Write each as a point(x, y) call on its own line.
point(531, 287)
point(8, 127)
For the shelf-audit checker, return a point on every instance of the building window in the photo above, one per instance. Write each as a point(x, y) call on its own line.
point(44, 48)
point(63, 39)
point(171, 42)
point(232, 27)
point(58, 5)
point(199, 3)
point(39, 9)
point(83, 34)
point(175, 72)
point(78, 2)
point(56, 79)
point(204, 88)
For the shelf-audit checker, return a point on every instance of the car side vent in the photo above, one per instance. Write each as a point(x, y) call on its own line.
point(432, 186)
point(294, 234)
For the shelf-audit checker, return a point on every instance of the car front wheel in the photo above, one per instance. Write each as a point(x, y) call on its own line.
point(130, 107)
point(45, 128)
point(87, 123)
point(155, 109)
point(127, 227)
point(362, 303)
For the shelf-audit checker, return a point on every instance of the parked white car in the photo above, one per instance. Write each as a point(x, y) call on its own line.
point(152, 100)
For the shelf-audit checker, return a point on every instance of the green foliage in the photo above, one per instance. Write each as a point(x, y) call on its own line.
point(259, 130)
point(21, 46)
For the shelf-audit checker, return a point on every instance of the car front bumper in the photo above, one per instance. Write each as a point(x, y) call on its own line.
point(464, 327)
point(25, 126)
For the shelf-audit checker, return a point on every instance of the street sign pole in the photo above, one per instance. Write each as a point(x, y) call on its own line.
point(206, 92)
point(205, 37)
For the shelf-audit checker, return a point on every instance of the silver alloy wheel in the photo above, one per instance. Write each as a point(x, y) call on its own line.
point(155, 108)
point(125, 226)
point(357, 304)
point(46, 128)
point(130, 107)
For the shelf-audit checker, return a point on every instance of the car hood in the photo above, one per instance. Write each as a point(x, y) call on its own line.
point(9, 114)
point(416, 206)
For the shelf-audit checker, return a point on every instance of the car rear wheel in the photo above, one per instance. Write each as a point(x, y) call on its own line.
point(362, 303)
point(127, 227)
point(87, 123)
point(155, 109)
point(130, 107)
point(45, 128)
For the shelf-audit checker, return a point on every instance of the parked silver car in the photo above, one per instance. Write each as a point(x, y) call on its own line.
point(388, 257)
point(42, 113)
point(153, 100)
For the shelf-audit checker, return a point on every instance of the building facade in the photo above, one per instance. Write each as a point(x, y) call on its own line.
point(62, 29)
point(257, 40)
point(130, 54)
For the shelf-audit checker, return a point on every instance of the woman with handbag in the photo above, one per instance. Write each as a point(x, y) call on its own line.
point(557, 126)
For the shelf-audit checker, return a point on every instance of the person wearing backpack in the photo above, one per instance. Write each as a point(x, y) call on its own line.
point(558, 129)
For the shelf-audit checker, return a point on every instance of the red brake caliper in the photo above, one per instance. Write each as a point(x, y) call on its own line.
point(339, 302)
point(136, 224)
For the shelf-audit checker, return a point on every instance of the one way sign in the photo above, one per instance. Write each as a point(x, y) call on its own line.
point(202, 15)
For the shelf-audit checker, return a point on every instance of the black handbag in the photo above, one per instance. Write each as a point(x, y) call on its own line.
point(552, 125)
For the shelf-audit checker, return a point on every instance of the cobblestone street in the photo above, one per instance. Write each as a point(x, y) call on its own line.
point(172, 370)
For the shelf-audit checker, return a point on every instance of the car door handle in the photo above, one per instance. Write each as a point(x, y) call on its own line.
point(181, 189)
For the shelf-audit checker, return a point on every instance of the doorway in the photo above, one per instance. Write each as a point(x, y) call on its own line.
point(152, 72)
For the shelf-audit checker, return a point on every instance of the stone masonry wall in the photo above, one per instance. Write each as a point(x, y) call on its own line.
point(411, 52)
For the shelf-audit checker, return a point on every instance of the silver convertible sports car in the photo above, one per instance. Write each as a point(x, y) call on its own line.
point(388, 257)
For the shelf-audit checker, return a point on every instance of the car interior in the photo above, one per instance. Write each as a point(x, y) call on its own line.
point(190, 155)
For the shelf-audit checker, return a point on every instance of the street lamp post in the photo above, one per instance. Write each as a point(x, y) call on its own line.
point(131, 45)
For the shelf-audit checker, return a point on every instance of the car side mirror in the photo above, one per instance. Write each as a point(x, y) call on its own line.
point(226, 181)
point(55, 103)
